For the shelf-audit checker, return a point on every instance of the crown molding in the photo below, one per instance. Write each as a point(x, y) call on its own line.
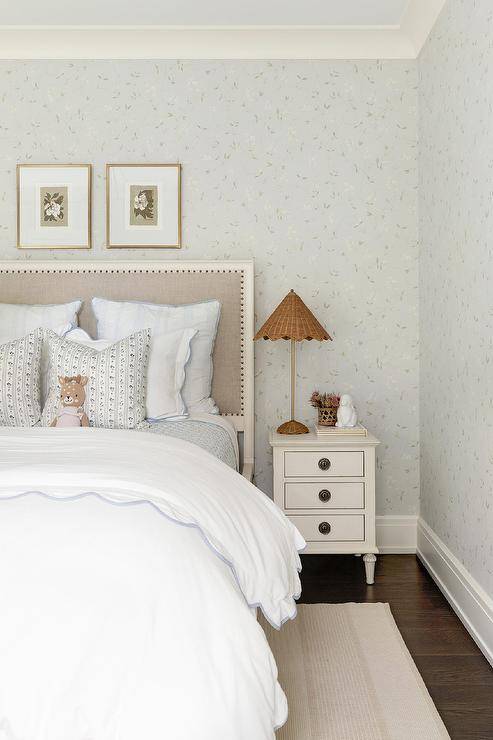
point(224, 42)
point(204, 43)
point(418, 21)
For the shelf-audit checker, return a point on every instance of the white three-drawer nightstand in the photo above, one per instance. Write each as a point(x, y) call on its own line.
point(327, 488)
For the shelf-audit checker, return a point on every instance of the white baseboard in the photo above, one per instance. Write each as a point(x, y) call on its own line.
point(468, 599)
point(396, 534)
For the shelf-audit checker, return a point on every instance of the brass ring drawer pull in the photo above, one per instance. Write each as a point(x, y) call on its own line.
point(325, 495)
point(324, 463)
point(324, 528)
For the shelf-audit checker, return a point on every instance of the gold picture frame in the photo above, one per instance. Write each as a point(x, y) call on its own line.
point(137, 201)
point(39, 225)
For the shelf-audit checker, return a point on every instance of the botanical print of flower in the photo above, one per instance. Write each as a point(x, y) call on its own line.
point(53, 206)
point(143, 205)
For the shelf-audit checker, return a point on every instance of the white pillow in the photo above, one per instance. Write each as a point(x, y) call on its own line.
point(19, 381)
point(166, 371)
point(117, 319)
point(18, 320)
point(81, 336)
point(115, 391)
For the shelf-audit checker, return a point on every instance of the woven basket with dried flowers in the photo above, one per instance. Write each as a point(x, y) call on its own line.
point(327, 405)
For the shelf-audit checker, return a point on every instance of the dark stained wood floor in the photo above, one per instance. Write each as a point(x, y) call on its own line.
point(458, 677)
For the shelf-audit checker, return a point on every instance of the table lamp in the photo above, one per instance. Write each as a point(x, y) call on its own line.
point(292, 320)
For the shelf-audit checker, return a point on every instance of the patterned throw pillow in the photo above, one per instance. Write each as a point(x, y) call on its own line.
point(116, 387)
point(19, 381)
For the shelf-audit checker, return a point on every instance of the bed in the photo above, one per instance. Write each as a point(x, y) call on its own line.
point(133, 562)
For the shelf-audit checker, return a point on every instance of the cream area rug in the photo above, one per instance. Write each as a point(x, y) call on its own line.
point(349, 676)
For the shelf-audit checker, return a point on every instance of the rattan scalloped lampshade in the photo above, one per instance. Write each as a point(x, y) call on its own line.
point(292, 320)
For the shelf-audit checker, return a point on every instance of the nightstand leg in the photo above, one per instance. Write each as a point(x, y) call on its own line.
point(370, 561)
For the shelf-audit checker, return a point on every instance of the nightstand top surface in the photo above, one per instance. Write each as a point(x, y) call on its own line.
point(312, 439)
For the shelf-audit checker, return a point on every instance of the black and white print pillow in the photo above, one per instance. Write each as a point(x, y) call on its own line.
point(20, 380)
point(116, 387)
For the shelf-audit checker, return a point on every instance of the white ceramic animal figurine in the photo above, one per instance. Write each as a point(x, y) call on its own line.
point(346, 413)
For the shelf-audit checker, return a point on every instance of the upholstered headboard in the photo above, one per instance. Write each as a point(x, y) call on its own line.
point(159, 282)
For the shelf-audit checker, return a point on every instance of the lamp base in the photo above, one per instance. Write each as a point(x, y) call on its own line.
point(292, 427)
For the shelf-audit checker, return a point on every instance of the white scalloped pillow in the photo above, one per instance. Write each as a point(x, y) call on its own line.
point(117, 319)
point(169, 354)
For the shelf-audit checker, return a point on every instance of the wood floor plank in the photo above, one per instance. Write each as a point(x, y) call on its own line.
point(452, 640)
point(463, 696)
point(455, 669)
point(468, 725)
point(409, 618)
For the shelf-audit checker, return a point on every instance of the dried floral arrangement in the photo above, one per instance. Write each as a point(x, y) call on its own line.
point(325, 400)
point(327, 405)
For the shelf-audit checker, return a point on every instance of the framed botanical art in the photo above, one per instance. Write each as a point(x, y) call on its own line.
point(143, 206)
point(54, 206)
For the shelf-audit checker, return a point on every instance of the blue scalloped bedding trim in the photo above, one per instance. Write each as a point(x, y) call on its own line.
point(288, 602)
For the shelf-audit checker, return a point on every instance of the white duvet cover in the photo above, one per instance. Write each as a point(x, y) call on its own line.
point(129, 564)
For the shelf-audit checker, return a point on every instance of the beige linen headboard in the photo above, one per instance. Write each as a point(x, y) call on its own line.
point(159, 282)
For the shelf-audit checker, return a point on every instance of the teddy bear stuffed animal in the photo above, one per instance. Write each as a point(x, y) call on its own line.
point(72, 397)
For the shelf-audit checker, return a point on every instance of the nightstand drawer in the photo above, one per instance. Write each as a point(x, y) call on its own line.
point(323, 463)
point(331, 527)
point(324, 495)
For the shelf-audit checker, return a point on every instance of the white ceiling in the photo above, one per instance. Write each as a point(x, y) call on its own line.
point(204, 12)
point(216, 29)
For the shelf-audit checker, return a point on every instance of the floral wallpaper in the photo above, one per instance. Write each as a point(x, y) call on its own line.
point(456, 224)
point(310, 168)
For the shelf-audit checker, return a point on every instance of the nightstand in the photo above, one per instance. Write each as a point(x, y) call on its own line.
point(327, 489)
